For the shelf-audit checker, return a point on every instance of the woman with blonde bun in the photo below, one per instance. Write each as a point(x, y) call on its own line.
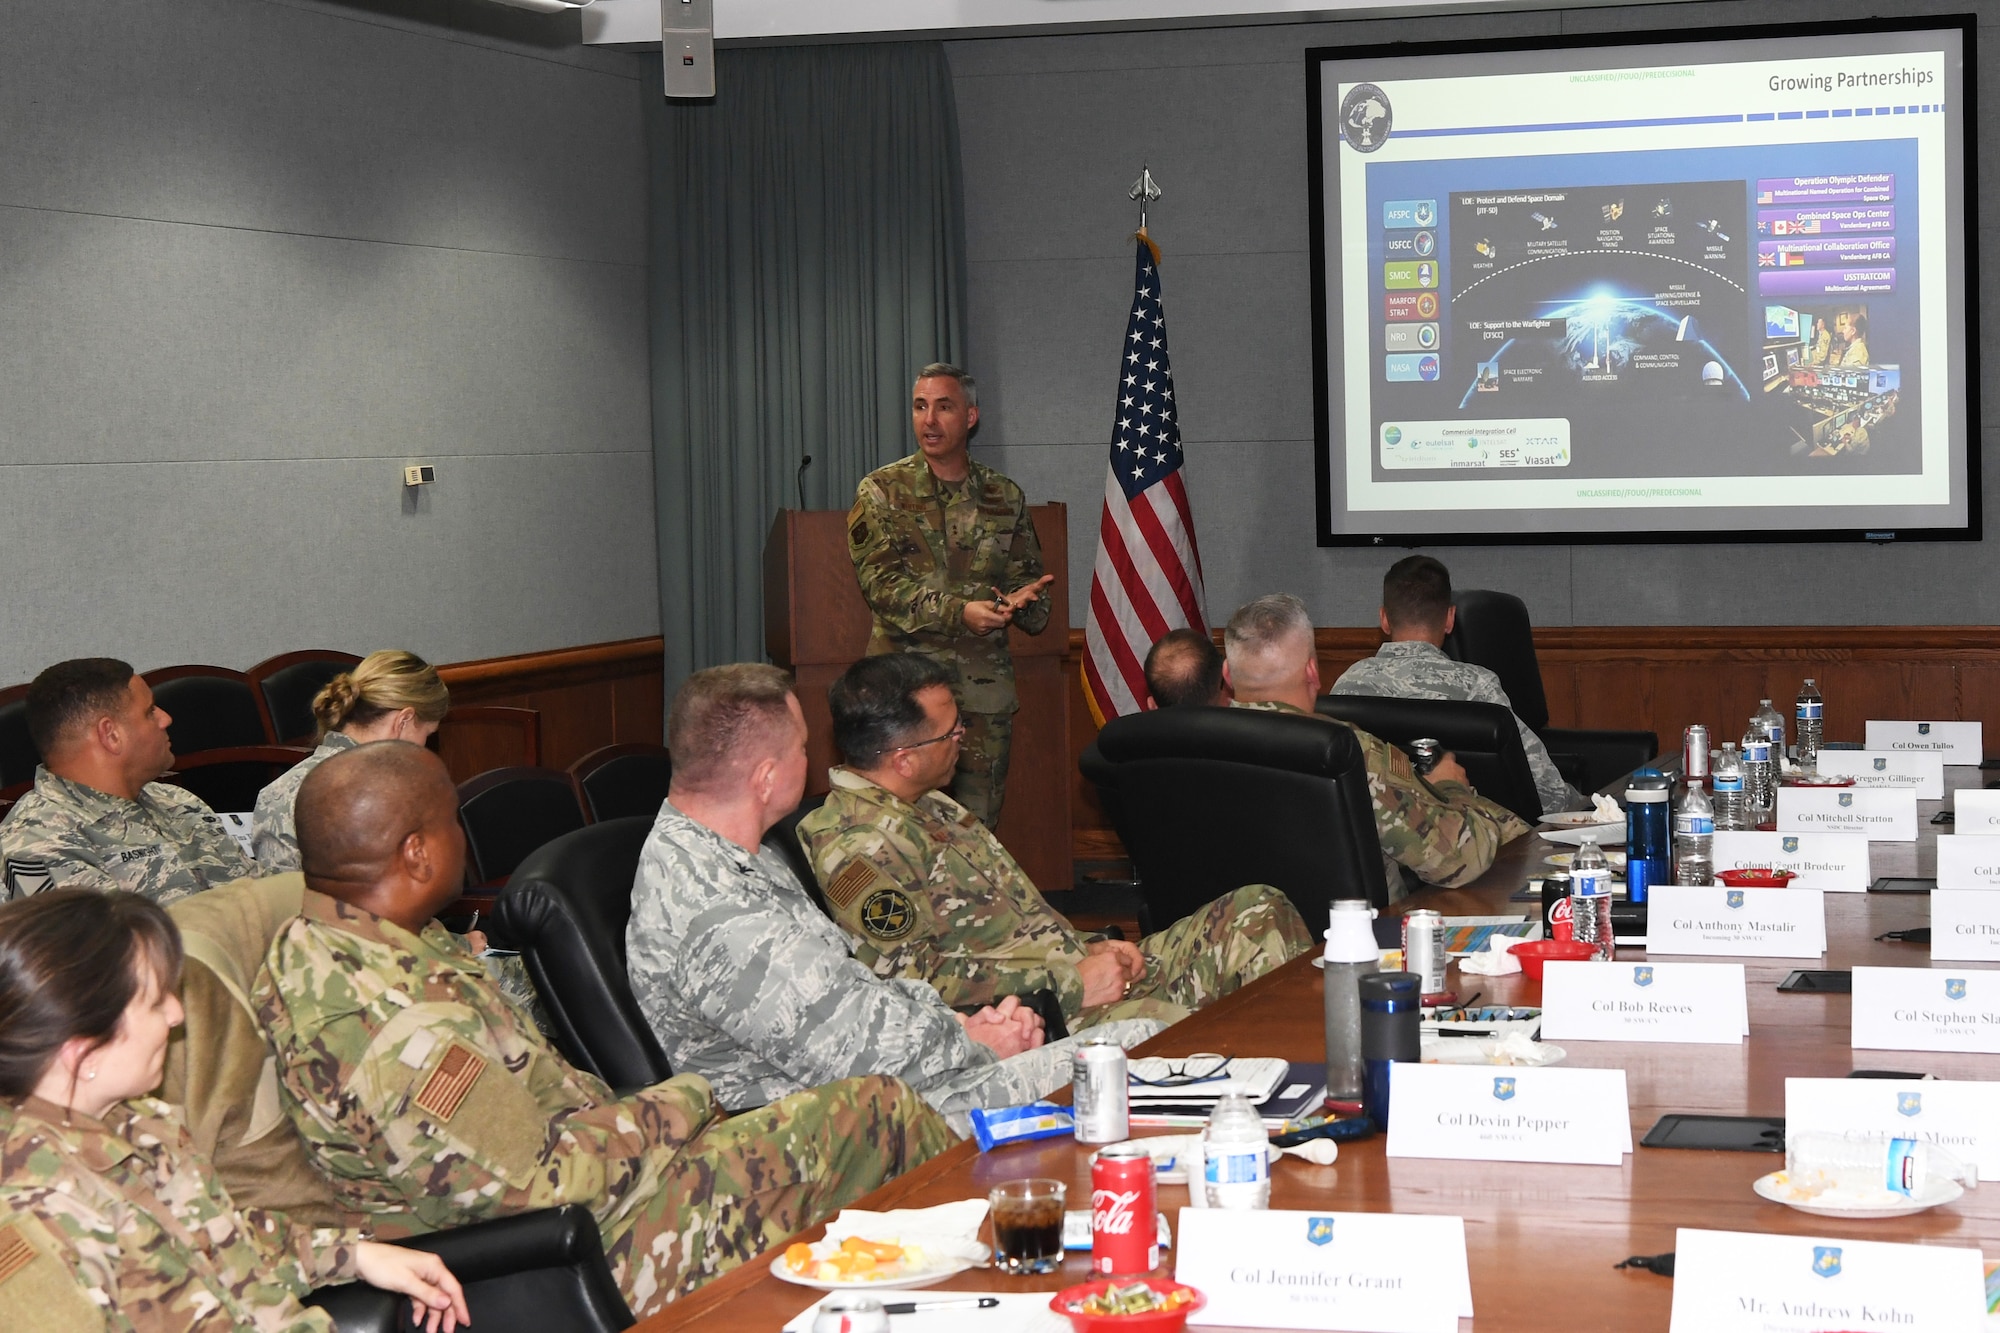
point(389, 696)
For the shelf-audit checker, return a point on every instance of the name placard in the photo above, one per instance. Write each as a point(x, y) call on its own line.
point(1743, 1282)
point(1965, 925)
point(1483, 1114)
point(1968, 861)
point(1689, 1002)
point(1368, 1272)
point(1835, 862)
point(1924, 1009)
point(1954, 742)
point(1741, 923)
point(1975, 811)
point(1961, 1118)
point(1881, 816)
point(1897, 769)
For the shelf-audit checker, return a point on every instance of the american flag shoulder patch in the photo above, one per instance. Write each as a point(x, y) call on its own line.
point(855, 876)
point(445, 1090)
point(15, 1252)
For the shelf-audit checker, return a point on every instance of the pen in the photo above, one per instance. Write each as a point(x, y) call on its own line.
point(968, 1303)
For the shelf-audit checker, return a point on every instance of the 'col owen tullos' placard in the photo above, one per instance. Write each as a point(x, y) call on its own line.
point(1953, 742)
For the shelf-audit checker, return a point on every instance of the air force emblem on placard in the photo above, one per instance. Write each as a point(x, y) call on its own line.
point(1319, 1230)
point(1826, 1260)
point(1642, 976)
point(1909, 1103)
point(1954, 988)
point(1503, 1089)
point(1923, 728)
point(1846, 799)
point(1881, 763)
point(1790, 843)
point(1734, 897)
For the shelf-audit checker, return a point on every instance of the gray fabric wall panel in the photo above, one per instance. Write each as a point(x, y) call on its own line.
point(1053, 130)
point(257, 254)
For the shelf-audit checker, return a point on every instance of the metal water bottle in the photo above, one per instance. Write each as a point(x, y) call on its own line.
point(1351, 954)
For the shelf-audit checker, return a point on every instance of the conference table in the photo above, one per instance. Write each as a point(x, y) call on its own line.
point(1541, 1240)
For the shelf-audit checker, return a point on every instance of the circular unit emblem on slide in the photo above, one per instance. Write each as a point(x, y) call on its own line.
point(1427, 305)
point(1427, 335)
point(1425, 244)
point(1428, 367)
point(1392, 434)
point(1365, 118)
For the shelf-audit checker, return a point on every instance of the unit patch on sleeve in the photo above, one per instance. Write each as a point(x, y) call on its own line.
point(887, 914)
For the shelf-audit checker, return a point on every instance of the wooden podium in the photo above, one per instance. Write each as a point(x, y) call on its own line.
point(816, 626)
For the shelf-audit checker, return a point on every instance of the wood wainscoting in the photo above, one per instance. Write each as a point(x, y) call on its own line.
point(1662, 677)
point(590, 696)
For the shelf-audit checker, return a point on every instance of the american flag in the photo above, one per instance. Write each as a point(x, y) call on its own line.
point(1147, 577)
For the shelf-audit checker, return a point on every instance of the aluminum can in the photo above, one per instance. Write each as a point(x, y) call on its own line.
point(1124, 1236)
point(1694, 752)
point(1423, 948)
point(1425, 752)
point(1098, 1092)
point(844, 1312)
point(1555, 905)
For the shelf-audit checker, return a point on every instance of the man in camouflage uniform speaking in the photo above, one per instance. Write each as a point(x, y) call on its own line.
point(1417, 614)
point(96, 818)
point(1436, 828)
point(428, 1099)
point(745, 981)
point(928, 893)
point(948, 558)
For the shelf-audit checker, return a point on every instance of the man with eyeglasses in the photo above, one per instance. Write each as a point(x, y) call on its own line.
point(928, 892)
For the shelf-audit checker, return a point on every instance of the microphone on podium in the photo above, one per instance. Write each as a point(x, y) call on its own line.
point(804, 462)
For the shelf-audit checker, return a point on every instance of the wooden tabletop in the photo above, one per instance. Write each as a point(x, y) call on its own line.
point(1541, 1240)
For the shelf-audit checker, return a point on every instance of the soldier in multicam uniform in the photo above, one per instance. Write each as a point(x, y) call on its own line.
point(427, 1097)
point(110, 1217)
point(96, 818)
point(948, 558)
point(1436, 828)
point(929, 893)
point(1417, 614)
point(745, 981)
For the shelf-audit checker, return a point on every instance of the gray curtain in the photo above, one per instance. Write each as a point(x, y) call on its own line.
point(808, 256)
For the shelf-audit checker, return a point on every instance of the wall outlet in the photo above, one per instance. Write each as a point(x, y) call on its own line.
point(419, 474)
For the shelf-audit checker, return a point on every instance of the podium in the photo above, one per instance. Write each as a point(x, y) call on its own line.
point(816, 626)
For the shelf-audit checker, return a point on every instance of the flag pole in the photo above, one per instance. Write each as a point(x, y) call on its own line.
point(1144, 191)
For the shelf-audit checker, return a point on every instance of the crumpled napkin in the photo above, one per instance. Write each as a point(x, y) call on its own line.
point(1607, 809)
point(1494, 960)
point(948, 1229)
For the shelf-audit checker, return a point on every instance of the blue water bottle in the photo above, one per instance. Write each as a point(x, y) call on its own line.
point(1391, 1030)
point(1648, 833)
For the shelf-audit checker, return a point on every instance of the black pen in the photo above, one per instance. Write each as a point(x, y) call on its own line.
point(967, 1303)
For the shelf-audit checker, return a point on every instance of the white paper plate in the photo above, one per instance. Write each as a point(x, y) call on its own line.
point(1580, 819)
point(1611, 854)
point(1939, 1191)
point(1479, 1051)
point(908, 1281)
point(1607, 835)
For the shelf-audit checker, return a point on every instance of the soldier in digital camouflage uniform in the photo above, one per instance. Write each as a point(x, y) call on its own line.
point(1417, 613)
point(745, 981)
point(428, 1098)
point(1438, 829)
point(272, 837)
point(947, 558)
point(927, 892)
point(96, 818)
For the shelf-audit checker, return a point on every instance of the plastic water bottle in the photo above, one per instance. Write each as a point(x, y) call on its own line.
point(1760, 774)
point(1590, 898)
point(1732, 804)
point(1351, 954)
point(1694, 838)
point(1235, 1151)
point(1773, 724)
point(1811, 724)
point(1866, 1166)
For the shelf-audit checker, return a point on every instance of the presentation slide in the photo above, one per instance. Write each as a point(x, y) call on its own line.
point(1699, 290)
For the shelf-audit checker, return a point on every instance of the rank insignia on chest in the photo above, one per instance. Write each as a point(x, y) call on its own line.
point(448, 1085)
point(888, 914)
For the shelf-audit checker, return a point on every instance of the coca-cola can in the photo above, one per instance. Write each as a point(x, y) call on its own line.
point(1123, 1235)
point(1694, 752)
point(1555, 906)
point(1423, 948)
point(1098, 1092)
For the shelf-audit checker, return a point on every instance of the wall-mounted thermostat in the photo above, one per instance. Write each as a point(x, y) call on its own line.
point(419, 474)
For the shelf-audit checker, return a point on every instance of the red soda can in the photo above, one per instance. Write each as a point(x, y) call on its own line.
point(1124, 1235)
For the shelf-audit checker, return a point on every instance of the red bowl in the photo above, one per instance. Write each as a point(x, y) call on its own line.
point(1534, 954)
point(1153, 1321)
point(1757, 878)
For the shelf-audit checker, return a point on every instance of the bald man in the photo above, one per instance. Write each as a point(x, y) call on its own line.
point(428, 1099)
point(1183, 668)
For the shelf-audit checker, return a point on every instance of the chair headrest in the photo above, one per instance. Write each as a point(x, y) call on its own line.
point(1286, 741)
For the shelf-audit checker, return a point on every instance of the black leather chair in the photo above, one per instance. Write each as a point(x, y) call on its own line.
point(536, 1273)
point(509, 812)
point(212, 707)
point(288, 683)
point(1216, 798)
point(1493, 631)
point(619, 780)
point(566, 907)
point(18, 755)
point(1484, 737)
point(230, 780)
point(784, 835)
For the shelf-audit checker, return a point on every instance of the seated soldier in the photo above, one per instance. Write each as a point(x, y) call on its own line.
point(96, 818)
point(1435, 827)
point(1184, 667)
point(745, 981)
point(428, 1099)
point(929, 893)
point(1416, 615)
